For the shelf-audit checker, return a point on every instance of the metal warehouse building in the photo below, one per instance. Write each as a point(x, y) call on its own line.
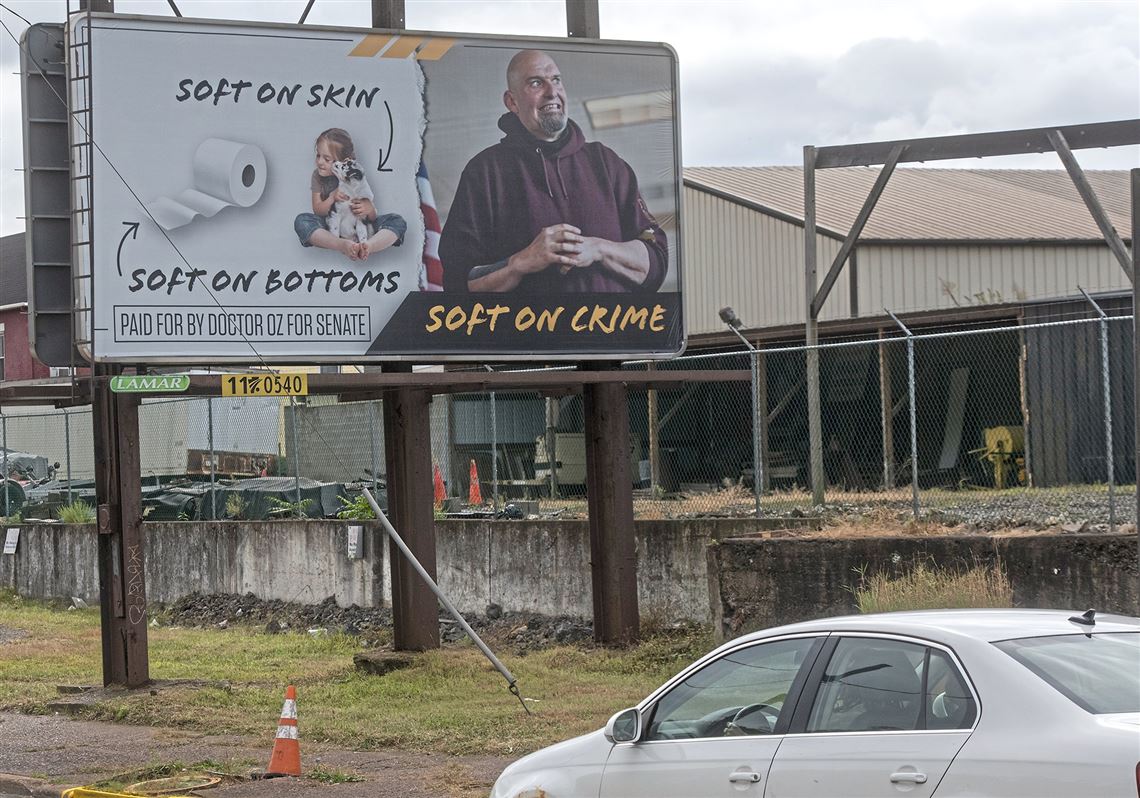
point(945, 249)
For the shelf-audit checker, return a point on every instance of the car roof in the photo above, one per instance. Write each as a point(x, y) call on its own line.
point(980, 624)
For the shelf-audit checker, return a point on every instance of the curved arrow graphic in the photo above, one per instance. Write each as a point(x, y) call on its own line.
point(385, 154)
point(132, 231)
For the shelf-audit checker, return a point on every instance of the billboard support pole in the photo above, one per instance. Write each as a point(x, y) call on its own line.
point(609, 495)
point(118, 496)
point(1135, 182)
point(387, 14)
point(407, 451)
point(582, 19)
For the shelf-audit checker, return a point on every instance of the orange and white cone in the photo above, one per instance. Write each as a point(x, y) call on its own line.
point(439, 488)
point(286, 757)
point(474, 495)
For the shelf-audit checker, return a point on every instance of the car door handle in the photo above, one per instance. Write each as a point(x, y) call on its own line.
point(908, 777)
point(750, 777)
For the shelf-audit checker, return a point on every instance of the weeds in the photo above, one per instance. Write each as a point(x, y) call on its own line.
point(449, 701)
point(284, 509)
point(355, 508)
point(235, 506)
point(929, 587)
point(78, 512)
point(329, 776)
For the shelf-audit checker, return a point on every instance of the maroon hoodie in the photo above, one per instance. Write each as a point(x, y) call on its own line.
point(513, 189)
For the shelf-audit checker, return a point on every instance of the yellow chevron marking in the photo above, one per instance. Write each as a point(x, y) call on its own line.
point(370, 45)
point(434, 49)
point(403, 47)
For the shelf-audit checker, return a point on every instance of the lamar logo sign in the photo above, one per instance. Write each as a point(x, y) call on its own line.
point(167, 383)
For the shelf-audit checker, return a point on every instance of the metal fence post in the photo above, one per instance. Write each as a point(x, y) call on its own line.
point(729, 317)
point(913, 416)
point(372, 437)
point(494, 456)
point(4, 466)
point(494, 451)
point(757, 422)
point(210, 443)
point(1106, 382)
point(296, 451)
point(67, 450)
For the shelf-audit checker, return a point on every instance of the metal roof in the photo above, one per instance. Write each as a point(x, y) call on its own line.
point(922, 204)
point(13, 271)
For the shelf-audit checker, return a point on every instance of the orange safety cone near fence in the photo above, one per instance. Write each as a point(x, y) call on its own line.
point(286, 757)
point(440, 490)
point(474, 495)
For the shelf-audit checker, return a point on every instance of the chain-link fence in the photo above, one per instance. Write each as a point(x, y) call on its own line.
point(1025, 424)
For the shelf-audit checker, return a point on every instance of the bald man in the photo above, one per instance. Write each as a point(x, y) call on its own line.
point(544, 210)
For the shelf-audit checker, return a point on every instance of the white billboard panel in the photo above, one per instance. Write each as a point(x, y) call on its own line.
point(285, 194)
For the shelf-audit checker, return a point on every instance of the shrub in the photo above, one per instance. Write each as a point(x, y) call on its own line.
point(355, 508)
point(928, 587)
point(235, 506)
point(78, 512)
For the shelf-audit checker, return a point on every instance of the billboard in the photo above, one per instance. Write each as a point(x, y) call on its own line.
point(264, 193)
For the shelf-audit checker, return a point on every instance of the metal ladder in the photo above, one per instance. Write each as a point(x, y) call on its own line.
point(81, 155)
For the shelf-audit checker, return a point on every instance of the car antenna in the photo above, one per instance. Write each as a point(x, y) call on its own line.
point(1086, 618)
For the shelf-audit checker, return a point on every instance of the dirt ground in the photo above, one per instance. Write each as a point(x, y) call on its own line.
point(43, 755)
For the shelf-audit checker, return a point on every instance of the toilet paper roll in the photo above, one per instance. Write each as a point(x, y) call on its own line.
point(226, 173)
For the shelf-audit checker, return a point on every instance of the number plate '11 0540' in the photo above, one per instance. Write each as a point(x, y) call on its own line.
point(265, 385)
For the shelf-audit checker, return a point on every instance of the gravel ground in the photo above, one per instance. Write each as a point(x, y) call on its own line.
point(51, 753)
point(520, 632)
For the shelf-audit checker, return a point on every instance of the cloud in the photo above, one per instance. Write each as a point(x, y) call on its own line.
point(761, 79)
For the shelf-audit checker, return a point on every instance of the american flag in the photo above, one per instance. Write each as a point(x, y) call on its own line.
point(431, 273)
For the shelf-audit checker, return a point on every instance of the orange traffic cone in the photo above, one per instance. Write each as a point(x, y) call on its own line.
point(474, 495)
point(286, 757)
point(440, 490)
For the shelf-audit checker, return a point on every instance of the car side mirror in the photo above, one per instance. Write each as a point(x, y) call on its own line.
point(624, 727)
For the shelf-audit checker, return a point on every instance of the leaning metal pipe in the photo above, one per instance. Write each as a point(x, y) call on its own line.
point(512, 682)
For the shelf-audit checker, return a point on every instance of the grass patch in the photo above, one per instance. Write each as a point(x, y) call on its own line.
point(927, 587)
point(449, 701)
point(78, 512)
point(329, 776)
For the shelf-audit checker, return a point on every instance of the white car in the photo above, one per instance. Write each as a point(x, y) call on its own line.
point(947, 703)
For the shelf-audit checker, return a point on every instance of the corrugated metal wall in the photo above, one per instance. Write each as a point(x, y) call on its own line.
point(949, 277)
point(752, 261)
point(1066, 398)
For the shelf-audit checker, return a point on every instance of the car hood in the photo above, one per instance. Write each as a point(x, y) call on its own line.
point(570, 768)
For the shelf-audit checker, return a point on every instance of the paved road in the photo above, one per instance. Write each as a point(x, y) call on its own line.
point(42, 755)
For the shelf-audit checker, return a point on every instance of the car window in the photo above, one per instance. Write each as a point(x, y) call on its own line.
point(949, 703)
point(741, 693)
point(870, 685)
point(1097, 672)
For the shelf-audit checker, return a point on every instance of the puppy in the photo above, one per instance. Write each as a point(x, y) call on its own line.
point(341, 221)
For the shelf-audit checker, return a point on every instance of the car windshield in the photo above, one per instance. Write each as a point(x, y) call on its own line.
point(1098, 672)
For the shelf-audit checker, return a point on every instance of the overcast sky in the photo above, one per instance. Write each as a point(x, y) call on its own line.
point(762, 78)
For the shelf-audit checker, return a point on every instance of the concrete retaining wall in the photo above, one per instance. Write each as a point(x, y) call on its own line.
point(697, 570)
point(303, 561)
point(541, 568)
point(769, 582)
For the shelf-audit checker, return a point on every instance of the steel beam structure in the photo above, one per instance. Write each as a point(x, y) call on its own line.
point(981, 145)
point(888, 154)
point(1077, 175)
